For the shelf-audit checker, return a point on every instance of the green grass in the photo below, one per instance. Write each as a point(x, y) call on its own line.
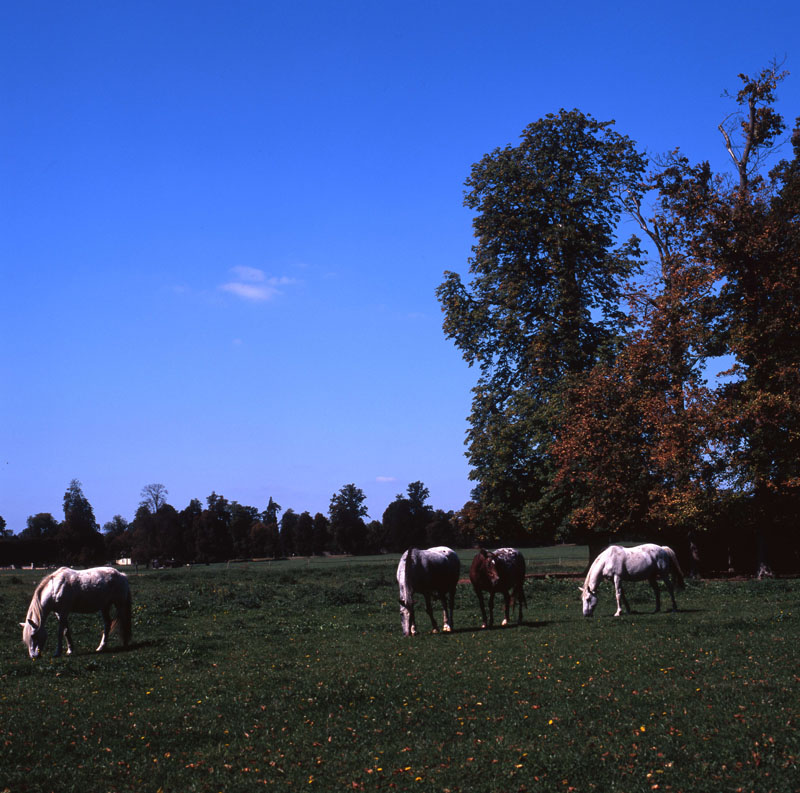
point(295, 675)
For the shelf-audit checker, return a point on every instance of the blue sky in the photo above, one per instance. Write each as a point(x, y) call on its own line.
point(222, 224)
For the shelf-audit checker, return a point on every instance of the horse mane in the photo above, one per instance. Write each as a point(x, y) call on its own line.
point(412, 551)
point(35, 608)
point(595, 564)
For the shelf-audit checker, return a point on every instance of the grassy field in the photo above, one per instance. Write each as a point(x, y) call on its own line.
point(295, 675)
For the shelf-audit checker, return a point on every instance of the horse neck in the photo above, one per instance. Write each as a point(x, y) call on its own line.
point(593, 576)
point(405, 583)
point(41, 603)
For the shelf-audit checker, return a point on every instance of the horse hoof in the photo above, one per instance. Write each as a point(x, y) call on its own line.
point(504, 623)
point(447, 629)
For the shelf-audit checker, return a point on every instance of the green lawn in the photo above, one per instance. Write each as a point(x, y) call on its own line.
point(295, 675)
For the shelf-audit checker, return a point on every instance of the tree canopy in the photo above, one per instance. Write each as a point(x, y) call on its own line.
point(595, 412)
point(543, 303)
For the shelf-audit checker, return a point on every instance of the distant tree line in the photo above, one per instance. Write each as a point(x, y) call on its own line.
point(600, 411)
point(221, 530)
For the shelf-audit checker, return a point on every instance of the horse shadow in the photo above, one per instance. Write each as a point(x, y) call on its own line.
point(634, 612)
point(512, 626)
point(120, 649)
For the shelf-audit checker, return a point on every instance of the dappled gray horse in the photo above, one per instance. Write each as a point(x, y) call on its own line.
point(647, 562)
point(428, 572)
point(81, 591)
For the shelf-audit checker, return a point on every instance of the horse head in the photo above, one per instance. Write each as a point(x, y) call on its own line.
point(33, 637)
point(589, 599)
point(407, 618)
point(488, 562)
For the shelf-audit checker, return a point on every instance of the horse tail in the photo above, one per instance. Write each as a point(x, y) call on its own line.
point(519, 593)
point(675, 567)
point(521, 583)
point(123, 619)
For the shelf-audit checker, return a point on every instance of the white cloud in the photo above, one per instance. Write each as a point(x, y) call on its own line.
point(252, 284)
point(254, 292)
point(385, 478)
point(250, 274)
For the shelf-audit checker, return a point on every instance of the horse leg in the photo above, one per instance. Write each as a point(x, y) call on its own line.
point(64, 635)
point(654, 584)
point(106, 629)
point(59, 636)
point(447, 610)
point(430, 612)
point(491, 608)
point(671, 590)
point(479, 593)
point(620, 595)
point(506, 603)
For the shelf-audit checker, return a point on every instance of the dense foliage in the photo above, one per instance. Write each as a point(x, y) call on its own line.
point(600, 409)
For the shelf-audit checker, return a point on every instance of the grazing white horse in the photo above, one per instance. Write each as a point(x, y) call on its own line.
point(81, 591)
point(643, 562)
point(434, 571)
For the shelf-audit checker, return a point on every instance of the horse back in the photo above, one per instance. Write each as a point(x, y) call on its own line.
point(89, 590)
point(432, 570)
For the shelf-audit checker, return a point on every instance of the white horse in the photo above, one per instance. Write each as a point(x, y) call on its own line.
point(81, 591)
point(648, 561)
point(434, 571)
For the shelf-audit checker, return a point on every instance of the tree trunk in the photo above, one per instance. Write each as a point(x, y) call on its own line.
point(597, 542)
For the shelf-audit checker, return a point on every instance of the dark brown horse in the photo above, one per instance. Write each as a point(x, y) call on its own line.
point(503, 571)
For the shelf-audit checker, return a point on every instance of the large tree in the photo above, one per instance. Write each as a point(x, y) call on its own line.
point(634, 449)
point(648, 441)
point(213, 540)
point(154, 496)
point(406, 518)
point(42, 526)
point(757, 247)
point(79, 538)
point(347, 512)
point(542, 305)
